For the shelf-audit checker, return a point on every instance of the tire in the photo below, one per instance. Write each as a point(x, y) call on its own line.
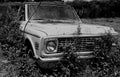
point(29, 51)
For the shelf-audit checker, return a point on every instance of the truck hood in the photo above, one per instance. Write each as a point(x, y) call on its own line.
point(70, 29)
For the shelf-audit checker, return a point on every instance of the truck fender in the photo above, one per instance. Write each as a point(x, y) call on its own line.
point(28, 38)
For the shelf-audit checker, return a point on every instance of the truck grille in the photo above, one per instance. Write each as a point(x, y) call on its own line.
point(80, 44)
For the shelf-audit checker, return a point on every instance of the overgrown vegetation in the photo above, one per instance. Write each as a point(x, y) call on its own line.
point(93, 9)
point(13, 50)
point(105, 63)
point(97, 9)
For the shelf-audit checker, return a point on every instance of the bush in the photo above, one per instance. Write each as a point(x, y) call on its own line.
point(13, 49)
point(105, 64)
point(97, 9)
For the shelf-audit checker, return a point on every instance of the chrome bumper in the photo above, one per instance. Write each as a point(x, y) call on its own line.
point(80, 55)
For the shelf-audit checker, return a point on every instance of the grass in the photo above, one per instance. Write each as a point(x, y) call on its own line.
point(111, 22)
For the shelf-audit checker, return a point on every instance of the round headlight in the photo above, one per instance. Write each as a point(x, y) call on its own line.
point(51, 46)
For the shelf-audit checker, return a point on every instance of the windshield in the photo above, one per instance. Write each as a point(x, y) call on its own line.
point(51, 12)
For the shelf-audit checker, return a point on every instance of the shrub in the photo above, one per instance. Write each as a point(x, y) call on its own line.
point(13, 48)
point(97, 9)
point(105, 64)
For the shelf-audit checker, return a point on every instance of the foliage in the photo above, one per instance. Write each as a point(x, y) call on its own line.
point(105, 63)
point(97, 9)
point(93, 9)
point(13, 48)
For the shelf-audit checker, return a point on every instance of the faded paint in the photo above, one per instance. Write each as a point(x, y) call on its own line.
point(69, 29)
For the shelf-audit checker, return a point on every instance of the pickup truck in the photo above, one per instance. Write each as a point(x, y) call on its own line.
point(49, 26)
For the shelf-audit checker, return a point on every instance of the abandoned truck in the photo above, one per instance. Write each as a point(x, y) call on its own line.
point(49, 26)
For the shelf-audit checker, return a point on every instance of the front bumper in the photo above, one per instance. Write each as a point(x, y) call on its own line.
point(48, 62)
point(58, 57)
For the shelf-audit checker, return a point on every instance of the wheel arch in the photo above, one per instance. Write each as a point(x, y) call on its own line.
point(29, 42)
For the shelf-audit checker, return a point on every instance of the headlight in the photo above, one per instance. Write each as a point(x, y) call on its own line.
point(51, 46)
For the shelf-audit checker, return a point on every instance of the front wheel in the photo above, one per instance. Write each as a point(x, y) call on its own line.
point(29, 51)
